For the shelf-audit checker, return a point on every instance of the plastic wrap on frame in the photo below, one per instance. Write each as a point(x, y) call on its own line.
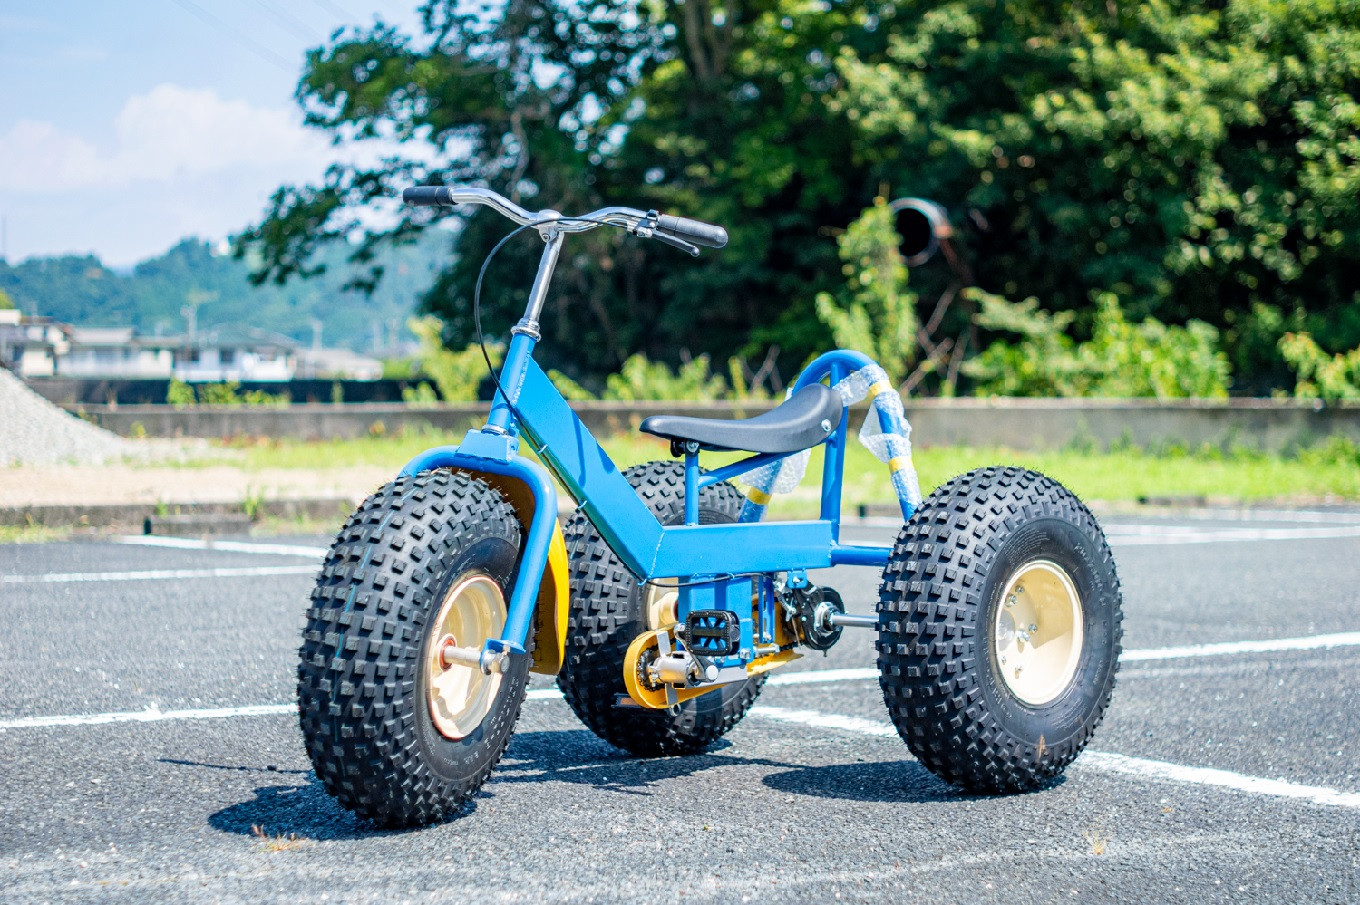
point(886, 433)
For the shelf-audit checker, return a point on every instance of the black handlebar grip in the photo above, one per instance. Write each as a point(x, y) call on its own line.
point(696, 231)
point(427, 196)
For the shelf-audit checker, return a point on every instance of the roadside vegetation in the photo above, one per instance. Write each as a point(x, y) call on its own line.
point(1124, 474)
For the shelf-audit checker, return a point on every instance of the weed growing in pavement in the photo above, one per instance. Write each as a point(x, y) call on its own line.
point(1098, 842)
point(283, 842)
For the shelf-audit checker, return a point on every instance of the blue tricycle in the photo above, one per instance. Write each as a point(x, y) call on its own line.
point(665, 601)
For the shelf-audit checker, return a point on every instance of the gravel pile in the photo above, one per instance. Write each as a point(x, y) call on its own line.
point(33, 431)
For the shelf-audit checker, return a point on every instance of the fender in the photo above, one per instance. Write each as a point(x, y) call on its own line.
point(541, 597)
point(554, 597)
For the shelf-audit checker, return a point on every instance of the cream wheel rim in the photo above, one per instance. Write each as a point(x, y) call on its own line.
point(1038, 632)
point(459, 694)
point(662, 605)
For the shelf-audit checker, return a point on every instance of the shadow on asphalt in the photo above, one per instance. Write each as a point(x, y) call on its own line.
point(574, 756)
point(897, 782)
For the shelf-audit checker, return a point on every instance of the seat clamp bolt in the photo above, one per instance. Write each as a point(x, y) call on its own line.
point(826, 425)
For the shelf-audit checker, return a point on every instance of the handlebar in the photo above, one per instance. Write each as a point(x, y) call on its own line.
point(681, 232)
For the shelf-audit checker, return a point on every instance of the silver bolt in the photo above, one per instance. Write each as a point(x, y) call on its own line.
point(1019, 589)
point(826, 425)
point(1033, 627)
point(1017, 671)
point(1003, 659)
point(1010, 601)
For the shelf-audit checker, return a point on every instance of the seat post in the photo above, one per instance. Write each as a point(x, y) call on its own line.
point(691, 450)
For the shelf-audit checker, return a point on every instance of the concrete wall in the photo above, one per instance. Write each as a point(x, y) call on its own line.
point(1017, 423)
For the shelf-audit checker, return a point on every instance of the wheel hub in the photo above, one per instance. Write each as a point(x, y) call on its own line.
point(460, 695)
point(1038, 632)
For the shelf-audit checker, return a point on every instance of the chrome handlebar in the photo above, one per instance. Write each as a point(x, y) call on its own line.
point(438, 196)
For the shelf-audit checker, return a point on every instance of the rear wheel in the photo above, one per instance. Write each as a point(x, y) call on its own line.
point(610, 608)
point(999, 630)
point(398, 733)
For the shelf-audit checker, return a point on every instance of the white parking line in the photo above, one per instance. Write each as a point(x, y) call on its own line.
point(157, 574)
point(800, 677)
point(1150, 535)
point(152, 714)
point(229, 546)
point(1161, 771)
point(1312, 642)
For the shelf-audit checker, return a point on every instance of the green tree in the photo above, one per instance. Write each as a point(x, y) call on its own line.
point(6, 303)
point(710, 109)
point(1199, 160)
point(875, 314)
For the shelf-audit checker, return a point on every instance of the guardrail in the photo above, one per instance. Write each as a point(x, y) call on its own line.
point(1266, 424)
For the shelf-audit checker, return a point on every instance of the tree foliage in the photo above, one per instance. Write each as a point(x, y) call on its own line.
point(1200, 162)
point(1121, 359)
point(874, 314)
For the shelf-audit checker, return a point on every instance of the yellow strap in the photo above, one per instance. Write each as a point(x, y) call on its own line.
point(899, 463)
point(881, 387)
point(757, 496)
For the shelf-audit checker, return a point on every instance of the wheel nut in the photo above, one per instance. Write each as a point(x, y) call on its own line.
point(1033, 627)
point(1010, 601)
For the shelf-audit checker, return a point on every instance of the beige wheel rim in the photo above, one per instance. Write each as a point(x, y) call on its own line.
point(459, 694)
point(1038, 632)
point(662, 605)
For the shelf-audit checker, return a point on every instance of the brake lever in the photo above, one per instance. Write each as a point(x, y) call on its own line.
point(676, 242)
point(647, 229)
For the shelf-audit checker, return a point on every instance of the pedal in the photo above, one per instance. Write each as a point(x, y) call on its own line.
point(713, 633)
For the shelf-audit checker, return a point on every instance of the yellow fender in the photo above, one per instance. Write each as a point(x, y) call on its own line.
point(549, 637)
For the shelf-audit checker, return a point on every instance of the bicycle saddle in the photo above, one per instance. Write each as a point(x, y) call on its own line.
point(804, 419)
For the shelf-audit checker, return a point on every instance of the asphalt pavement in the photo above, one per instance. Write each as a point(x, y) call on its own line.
point(148, 750)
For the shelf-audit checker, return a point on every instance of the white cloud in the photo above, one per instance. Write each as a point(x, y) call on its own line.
point(164, 135)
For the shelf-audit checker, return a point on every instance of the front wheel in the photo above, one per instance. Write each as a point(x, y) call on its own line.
point(999, 630)
point(396, 733)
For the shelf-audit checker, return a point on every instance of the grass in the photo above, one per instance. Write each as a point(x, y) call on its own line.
point(1120, 475)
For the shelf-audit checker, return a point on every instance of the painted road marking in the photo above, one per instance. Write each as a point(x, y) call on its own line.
point(1314, 642)
point(1149, 535)
point(1142, 768)
point(152, 714)
point(1163, 771)
point(803, 677)
point(229, 546)
point(157, 574)
point(1156, 770)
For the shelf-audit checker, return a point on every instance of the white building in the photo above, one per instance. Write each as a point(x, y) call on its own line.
point(42, 347)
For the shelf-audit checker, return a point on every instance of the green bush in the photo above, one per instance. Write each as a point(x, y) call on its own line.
point(1121, 359)
point(640, 379)
point(180, 394)
point(874, 313)
point(457, 374)
point(1331, 378)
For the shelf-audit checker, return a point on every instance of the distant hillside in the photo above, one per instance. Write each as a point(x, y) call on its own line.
point(81, 290)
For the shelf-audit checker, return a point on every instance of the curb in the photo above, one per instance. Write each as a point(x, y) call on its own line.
point(201, 518)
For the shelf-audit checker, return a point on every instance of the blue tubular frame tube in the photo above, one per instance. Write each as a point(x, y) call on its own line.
point(858, 555)
point(692, 488)
point(517, 360)
point(520, 610)
point(718, 475)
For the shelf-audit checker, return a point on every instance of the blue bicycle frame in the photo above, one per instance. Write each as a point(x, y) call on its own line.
point(716, 565)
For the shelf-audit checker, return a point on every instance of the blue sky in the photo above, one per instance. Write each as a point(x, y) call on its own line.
point(125, 126)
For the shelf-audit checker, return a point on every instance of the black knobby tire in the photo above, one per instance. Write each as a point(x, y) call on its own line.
point(937, 604)
point(608, 611)
point(361, 680)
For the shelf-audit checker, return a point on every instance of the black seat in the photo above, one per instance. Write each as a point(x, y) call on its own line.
point(804, 419)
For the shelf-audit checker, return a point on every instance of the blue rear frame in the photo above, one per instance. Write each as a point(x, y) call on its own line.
point(706, 559)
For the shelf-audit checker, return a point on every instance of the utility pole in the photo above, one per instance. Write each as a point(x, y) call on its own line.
point(192, 300)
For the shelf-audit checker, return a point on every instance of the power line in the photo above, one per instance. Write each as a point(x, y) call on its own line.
point(334, 9)
point(290, 23)
point(240, 37)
